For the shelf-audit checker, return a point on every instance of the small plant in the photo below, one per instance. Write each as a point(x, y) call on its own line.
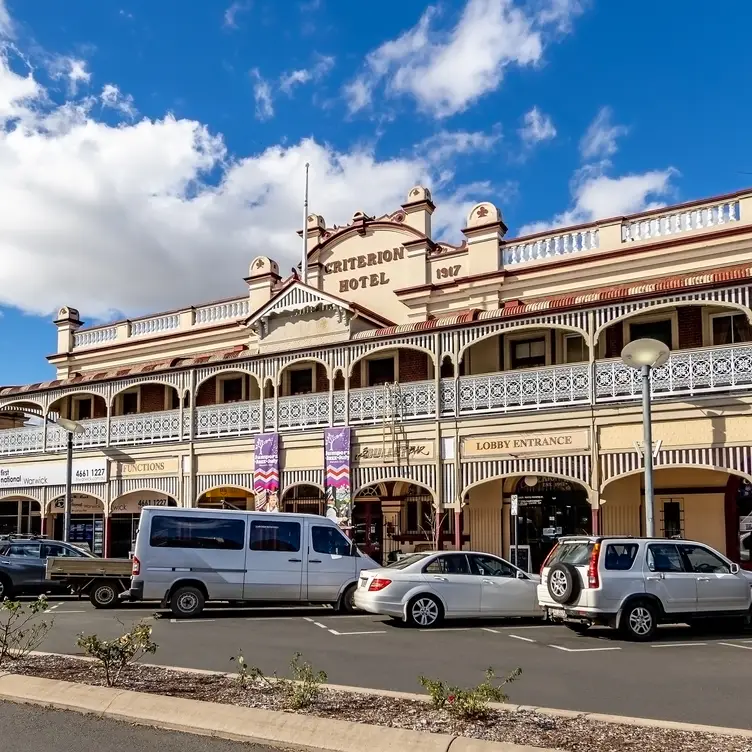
point(115, 655)
point(305, 687)
point(468, 704)
point(20, 632)
point(249, 676)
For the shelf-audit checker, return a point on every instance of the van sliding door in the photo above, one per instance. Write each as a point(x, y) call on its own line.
point(274, 562)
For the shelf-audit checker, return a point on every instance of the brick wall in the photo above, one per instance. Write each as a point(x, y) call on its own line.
point(690, 327)
point(413, 366)
point(355, 377)
point(321, 379)
point(99, 408)
point(207, 393)
point(152, 398)
point(614, 340)
point(339, 382)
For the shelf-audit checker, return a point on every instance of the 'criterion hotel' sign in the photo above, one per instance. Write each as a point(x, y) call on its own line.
point(546, 442)
point(363, 262)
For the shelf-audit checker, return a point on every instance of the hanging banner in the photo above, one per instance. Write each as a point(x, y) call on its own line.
point(266, 472)
point(337, 482)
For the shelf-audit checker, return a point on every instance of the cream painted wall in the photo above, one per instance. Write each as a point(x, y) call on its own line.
point(484, 517)
point(704, 520)
point(483, 357)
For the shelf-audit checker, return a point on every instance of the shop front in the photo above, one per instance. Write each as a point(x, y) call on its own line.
point(86, 524)
point(124, 520)
point(227, 497)
point(20, 516)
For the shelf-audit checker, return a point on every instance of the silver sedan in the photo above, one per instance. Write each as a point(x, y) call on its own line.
point(425, 588)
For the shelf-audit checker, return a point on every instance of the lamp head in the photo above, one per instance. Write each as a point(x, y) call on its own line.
point(645, 352)
point(71, 426)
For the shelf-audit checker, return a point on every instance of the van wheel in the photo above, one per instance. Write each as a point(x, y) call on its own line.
point(639, 621)
point(347, 601)
point(103, 595)
point(186, 602)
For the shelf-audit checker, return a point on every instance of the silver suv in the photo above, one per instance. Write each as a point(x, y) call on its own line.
point(635, 584)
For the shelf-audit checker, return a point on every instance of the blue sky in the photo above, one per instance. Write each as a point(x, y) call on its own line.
point(149, 150)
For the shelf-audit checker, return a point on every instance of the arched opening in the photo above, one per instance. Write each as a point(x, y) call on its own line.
point(304, 390)
point(20, 516)
point(387, 366)
point(227, 497)
point(146, 398)
point(80, 406)
point(304, 499)
point(125, 513)
point(302, 378)
point(21, 428)
point(447, 368)
point(86, 523)
point(226, 388)
point(689, 502)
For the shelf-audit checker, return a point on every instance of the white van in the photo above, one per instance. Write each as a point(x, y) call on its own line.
point(185, 557)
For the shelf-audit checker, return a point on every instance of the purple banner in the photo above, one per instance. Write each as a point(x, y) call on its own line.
point(266, 472)
point(337, 480)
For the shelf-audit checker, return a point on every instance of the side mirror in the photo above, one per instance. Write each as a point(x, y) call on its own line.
point(521, 575)
point(735, 569)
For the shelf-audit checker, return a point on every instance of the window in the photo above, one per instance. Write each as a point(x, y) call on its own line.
point(449, 564)
point(24, 550)
point(329, 540)
point(301, 381)
point(664, 558)
point(703, 561)
point(577, 554)
point(232, 389)
point(574, 348)
point(620, 556)
point(729, 329)
point(82, 409)
point(55, 550)
point(380, 371)
point(197, 532)
point(275, 536)
point(660, 330)
point(529, 353)
point(408, 561)
point(488, 566)
point(130, 403)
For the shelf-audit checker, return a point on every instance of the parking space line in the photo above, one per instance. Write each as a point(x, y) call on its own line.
point(342, 634)
point(679, 645)
point(732, 645)
point(581, 650)
point(524, 639)
point(191, 621)
point(492, 631)
point(82, 611)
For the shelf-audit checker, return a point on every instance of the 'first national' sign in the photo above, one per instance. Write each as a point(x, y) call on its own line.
point(43, 474)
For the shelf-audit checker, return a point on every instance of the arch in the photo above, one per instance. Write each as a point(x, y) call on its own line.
point(384, 348)
point(51, 503)
point(247, 493)
point(396, 479)
point(77, 393)
point(9, 404)
point(674, 466)
point(142, 491)
point(13, 495)
point(379, 490)
point(309, 359)
point(503, 476)
point(673, 304)
point(521, 328)
point(311, 484)
point(181, 392)
point(223, 371)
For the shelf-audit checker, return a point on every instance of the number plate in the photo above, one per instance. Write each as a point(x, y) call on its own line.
point(363, 581)
point(557, 613)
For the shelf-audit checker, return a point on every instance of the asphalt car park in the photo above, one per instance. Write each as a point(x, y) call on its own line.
point(683, 675)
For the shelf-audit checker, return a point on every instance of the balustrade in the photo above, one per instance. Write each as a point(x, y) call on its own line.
point(551, 246)
point(687, 372)
point(676, 222)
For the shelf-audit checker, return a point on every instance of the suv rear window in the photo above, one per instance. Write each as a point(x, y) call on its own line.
point(576, 553)
point(620, 556)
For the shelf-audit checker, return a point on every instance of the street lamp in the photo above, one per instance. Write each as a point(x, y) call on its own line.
point(71, 427)
point(646, 354)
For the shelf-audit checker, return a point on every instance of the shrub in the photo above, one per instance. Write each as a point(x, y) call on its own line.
point(305, 687)
point(248, 676)
point(468, 704)
point(20, 633)
point(115, 655)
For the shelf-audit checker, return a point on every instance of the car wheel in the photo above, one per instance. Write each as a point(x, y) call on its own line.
point(6, 589)
point(639, 621)
point(186, 602)
point(563, 583)
point(577, 627)
point(103, 595)
point(347, 601)
point(424, 611)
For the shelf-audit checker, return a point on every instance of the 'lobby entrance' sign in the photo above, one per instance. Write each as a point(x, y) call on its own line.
point(544, 442)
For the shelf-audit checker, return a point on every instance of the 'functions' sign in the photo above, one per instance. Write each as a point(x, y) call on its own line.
point(363, 266)
point(52, 473)
point(545, 442)
point(139, 468)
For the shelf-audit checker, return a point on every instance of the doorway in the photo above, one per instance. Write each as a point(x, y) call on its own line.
point(368, 528)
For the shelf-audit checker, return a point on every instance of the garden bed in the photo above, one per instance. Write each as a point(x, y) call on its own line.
point(521, 727)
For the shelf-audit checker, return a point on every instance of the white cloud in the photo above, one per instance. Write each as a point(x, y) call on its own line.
point(445, 145)
point(537, 127)
point(446, 72)
point(73, 70)
point(561, 13)
point(6, 24)
point(304, 75)
point(600, 139)
point(262, 93)
point(231, 14)
point(150, 215)
point(112, 97)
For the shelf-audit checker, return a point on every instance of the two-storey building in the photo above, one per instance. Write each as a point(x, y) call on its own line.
point(465, 374)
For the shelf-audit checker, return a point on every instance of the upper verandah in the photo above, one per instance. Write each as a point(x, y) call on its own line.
point(390, 266)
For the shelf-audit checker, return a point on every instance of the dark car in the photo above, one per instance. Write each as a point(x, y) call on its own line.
point(22, 565)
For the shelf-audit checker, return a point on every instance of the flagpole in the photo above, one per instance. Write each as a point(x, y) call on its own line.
point(304, 263)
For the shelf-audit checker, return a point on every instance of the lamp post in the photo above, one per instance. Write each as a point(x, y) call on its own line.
point(71, 427)
point(646, 354)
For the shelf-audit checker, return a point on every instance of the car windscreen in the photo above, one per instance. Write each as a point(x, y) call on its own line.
point(576, 553)
point(407, 561)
